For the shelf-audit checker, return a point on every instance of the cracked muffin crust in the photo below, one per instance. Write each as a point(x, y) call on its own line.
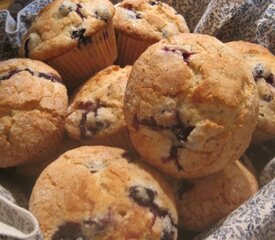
point(140, 23)
point(148, 20)
point(96, 114)
point(102, 194)
point(204, 201)
point(33, 103)
point(76, 37)
point(62, 25)
point(189, 110)
point(261, 63)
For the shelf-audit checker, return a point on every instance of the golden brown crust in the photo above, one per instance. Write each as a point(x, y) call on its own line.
point(33, 104)
point(60, 26)
point(148, 20)
point(100, 195)
point(248, 48)
point(188, 109)
point(204, 201)
point(96, 111)
point(262, 64)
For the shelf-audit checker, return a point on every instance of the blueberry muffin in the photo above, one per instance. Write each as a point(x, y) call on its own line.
point(140, 23)
point(33, 104)
point(95, 115)
point(204, 201)
point(102, 194)
point(261, 63)
point(189, 110)
point(76, 37)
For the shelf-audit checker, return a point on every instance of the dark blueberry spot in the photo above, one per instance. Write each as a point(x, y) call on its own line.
point(78, 11)
point(100, 124)
point(186, 55)
point(153, 3)
point(26, 48)
point(174, 152)
point(9, 75)
point(28, 70)
point(101, 16)
point(173, 157)
point(82, 125)
point(270, 79)
point(182, 132)
point(69, 231)
point(184, 186)
point(151, 123)
point(79, 34)
point(51, 77)
point(47, 76)
point(166, 49)
point(84, 40)
point(258, 72)
point(143, 196)
point(138, 16)
point(12, 73)
point(98, 224)
point(267, 97)
point(89, 107)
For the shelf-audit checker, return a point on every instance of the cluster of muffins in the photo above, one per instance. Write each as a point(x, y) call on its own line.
point(186, 104)
point(78, 37)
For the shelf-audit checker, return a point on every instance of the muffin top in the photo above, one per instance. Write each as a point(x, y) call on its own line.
point(96, 111)
point(102, 194)
point(189, 110)
point(63, 25)
point(33, 103)
point(262, 64)
point(148, 20)
point(204, 201)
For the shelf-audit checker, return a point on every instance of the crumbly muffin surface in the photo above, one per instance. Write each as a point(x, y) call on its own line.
point(33, 103)
point(204, 201)
point(63, 25)
point(148, 20)
point(101, 194)
point(262, 64)
point(191, 105)
point(96, 111)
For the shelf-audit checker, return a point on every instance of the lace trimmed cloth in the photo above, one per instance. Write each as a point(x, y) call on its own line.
point(228, 20)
